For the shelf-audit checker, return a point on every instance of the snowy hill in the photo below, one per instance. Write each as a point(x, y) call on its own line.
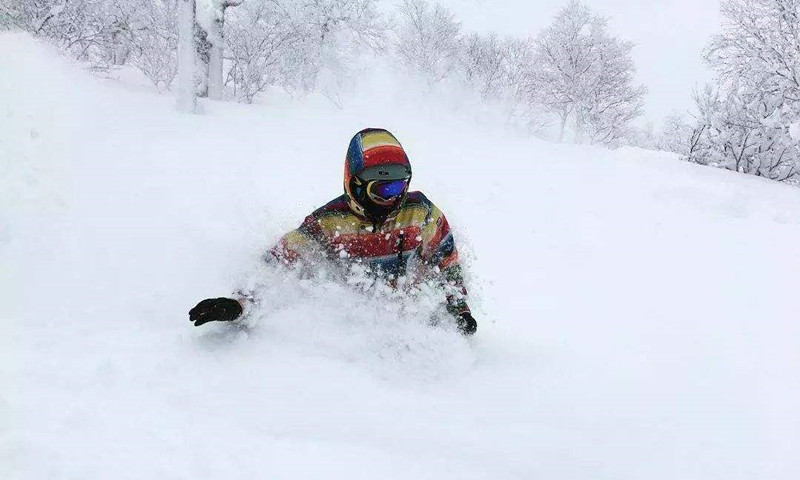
point(638, 315)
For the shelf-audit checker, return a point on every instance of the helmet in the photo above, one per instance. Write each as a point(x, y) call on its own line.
point(376, 174)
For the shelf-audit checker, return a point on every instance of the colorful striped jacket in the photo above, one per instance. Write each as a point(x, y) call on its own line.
point(414, 242)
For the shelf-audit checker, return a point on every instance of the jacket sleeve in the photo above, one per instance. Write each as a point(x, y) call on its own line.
point(304, 242)
point(441, 254)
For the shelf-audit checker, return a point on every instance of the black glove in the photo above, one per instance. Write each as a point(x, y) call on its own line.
point(215, 310)
point(466, 324)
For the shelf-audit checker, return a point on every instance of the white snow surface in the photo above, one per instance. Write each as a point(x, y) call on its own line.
point(639, 316)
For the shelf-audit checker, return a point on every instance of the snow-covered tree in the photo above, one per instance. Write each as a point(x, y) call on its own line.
point(332, 36)
point(40, 17)
point(483, 61)
point(256, 37)
point(675, 135)
point(585, 76)
point(502, 73)
point(642, 137)
point(187, 93)
point(155, 41)
point(522, 100)
point(210, 17)
point(760, 44)
point(428, 39)
point(745, 122)
point(88, 29)
point(744, 130)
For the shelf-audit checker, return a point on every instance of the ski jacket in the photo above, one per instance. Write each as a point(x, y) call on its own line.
point(414, 242)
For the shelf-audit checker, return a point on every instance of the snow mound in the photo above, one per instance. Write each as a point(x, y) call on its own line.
point(364, 324)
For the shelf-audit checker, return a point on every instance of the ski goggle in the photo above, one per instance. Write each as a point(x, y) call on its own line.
point(385, 192)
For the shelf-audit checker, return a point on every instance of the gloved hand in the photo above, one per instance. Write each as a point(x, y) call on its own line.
point(466, 324)
point(215, 309)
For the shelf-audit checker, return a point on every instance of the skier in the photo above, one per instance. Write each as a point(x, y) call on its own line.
point(378, 223)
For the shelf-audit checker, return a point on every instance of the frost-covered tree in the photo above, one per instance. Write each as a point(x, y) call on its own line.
point(585, 76)
point(298, 44)
point(743, 130)
point(210, 17)
point(760, 44)
point(88, 29)
point(675, 135)
point(256, 37)
point(428, 39)
point(332, 36)
point(745, 121)
point(40, 17)
point(483, 60)
point(519, 66)
point(155, 41)
point(502, 73)
point(521, 96)
point(187, 93)
point(106, 33)
point(612, 101)
point(642, 137)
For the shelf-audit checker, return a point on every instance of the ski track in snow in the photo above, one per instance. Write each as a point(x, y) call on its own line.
point(638, 316)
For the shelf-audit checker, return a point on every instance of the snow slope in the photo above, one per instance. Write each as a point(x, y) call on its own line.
point(638, 315)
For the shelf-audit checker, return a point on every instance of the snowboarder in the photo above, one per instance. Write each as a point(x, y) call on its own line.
point(378, 223)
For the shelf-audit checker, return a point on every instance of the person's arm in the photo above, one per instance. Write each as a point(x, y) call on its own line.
point(303, 242)
point(292, 247)
point(441, 253)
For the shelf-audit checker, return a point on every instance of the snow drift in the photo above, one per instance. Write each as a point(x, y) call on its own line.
point(638, 315)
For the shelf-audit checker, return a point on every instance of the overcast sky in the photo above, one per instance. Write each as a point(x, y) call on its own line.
point(669, 37)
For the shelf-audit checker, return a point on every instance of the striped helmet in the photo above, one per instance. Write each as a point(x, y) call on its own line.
point(374, 155)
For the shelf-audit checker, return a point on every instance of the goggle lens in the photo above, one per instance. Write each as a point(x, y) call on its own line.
point(386, 191)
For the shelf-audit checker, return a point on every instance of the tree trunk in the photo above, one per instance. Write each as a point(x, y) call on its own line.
point(563, 126)
point(579, 133)
point(215, 56)
point(187, 97)
point(202, 52)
